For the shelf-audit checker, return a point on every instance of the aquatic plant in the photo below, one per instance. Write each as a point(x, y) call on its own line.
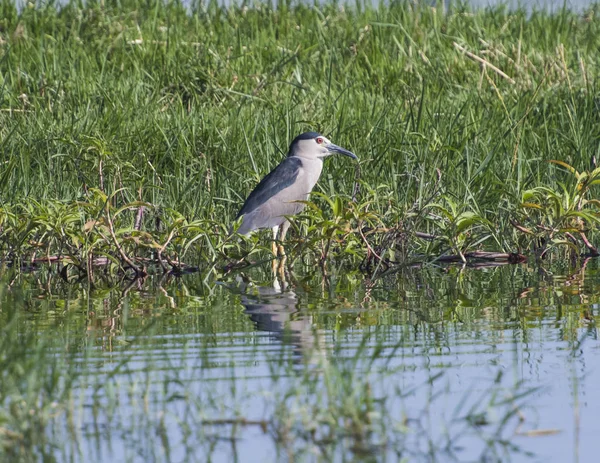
point(562, 217)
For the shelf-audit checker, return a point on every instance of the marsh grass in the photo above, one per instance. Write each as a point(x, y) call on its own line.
point(454, 115)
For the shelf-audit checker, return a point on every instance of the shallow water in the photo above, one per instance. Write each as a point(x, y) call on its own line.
point(530, 5)
point(499, 364)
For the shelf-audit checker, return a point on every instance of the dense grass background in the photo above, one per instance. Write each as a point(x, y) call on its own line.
point(187, 108)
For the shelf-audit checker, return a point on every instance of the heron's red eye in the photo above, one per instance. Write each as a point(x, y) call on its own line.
point(320, 141)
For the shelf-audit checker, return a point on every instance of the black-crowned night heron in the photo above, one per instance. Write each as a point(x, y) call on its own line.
point(280, 193)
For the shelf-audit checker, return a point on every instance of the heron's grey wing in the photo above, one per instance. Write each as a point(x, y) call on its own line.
point(280, 178)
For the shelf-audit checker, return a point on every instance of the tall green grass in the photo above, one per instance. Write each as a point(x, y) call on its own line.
point(187, 108)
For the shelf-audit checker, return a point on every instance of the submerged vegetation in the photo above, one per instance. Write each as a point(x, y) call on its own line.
point(179, 373)
point(132, 131)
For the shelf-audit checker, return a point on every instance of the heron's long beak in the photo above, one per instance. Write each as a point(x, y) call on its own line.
point(338, 149)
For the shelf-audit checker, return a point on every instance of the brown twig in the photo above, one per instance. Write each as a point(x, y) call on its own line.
point(137, 270)
point(589, 245)
point(162, 248)
point(485, 256)
point(369, 248)
point(521, 228)
point(425, 236)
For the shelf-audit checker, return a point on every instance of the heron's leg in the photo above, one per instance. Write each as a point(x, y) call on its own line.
point(275, 231)
point(274, 249)
point(281, 267)
point(284, 228)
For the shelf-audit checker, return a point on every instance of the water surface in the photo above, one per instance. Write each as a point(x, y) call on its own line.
point(437, 364)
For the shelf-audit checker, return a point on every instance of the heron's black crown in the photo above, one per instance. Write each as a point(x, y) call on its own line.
point(306, 136)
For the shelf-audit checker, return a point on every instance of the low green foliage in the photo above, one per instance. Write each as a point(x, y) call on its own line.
point(563, 216)
point(84, 234)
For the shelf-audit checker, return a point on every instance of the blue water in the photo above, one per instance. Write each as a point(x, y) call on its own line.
point(449, 351)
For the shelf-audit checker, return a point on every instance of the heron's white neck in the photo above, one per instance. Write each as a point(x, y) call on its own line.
point(309, 157)
point(310, 171)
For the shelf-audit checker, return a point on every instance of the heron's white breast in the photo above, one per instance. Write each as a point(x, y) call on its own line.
point(309, 174)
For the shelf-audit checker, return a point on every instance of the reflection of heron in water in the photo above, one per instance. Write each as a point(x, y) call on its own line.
point(274, 309)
